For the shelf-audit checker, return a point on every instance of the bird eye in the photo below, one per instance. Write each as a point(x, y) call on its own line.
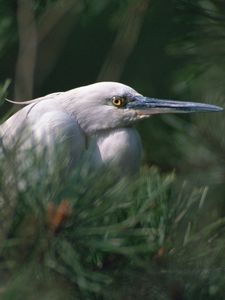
point(119, 101)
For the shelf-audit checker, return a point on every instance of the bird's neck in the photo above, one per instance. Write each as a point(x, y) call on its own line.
point(117, 148)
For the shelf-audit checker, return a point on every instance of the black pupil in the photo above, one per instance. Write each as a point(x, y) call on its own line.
point(118, 101)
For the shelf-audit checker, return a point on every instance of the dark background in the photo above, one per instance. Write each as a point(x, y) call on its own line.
point(162, 48)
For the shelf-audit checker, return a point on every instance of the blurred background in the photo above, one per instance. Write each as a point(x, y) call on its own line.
point(164, 49)
point(168, 49)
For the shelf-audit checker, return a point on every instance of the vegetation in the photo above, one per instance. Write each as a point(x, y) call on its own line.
point(159, 235)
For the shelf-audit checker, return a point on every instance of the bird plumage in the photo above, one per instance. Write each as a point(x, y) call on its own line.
point(76, 121)
point(97, 118)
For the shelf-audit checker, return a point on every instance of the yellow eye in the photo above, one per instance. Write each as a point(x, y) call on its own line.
point(118, 101)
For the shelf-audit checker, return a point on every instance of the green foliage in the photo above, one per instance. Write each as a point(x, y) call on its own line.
point(97, 236)
point(3, 90)
point(81, 237)
point(109, 221)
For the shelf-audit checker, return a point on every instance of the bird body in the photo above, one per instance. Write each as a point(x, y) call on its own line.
point(60, 119)
point(98, 118)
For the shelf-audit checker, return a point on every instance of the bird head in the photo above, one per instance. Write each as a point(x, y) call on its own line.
point(108, 105)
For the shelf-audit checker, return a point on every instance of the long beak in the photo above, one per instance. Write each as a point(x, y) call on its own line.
point(148, 106)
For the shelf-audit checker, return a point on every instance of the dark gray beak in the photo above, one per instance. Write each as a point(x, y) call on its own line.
point(149, 106)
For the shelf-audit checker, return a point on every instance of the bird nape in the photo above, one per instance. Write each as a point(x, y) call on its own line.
point(97, 119)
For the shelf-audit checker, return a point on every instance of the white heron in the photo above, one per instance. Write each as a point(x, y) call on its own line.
point(99, 118)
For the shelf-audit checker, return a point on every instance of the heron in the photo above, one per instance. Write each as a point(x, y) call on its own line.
point(98, 118)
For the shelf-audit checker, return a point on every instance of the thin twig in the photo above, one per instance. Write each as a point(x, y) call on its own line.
point(125, 41)
point(25, 66)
